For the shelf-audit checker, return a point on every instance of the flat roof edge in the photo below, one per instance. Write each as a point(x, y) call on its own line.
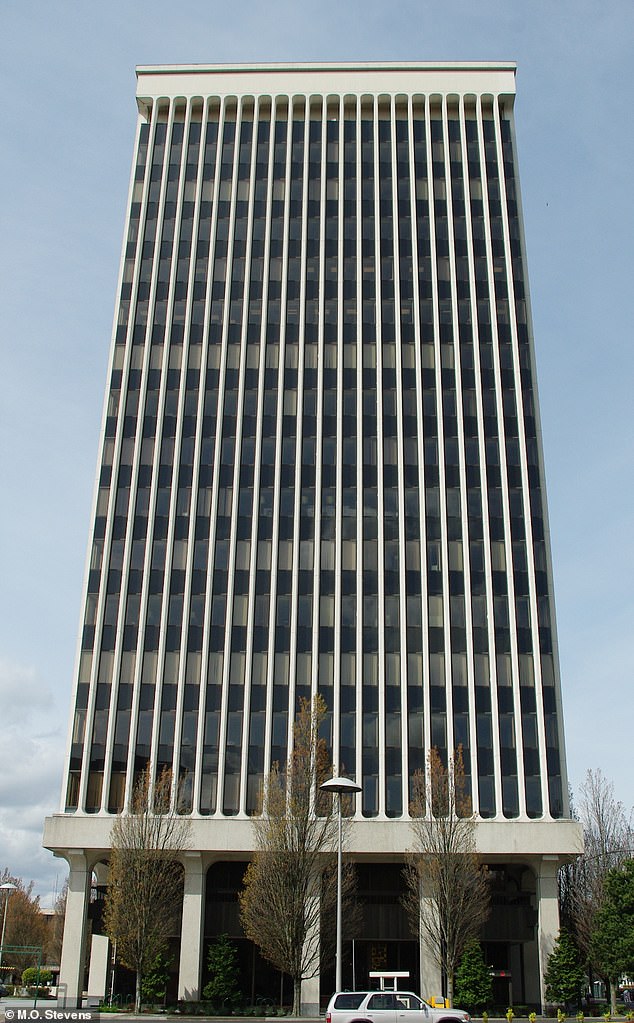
point(374, 66)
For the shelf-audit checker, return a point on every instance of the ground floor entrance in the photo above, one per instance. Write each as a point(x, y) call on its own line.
point(377, 936)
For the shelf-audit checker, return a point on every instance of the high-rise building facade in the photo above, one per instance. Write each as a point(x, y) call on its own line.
point(321, 471)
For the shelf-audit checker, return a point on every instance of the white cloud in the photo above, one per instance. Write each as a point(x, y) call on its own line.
point(22, 696)
point(31, 763)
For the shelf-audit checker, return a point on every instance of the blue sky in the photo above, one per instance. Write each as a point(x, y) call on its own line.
point(67, 121)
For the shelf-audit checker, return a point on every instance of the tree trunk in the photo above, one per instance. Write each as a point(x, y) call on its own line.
point(297, 996)
point(613, 987)
point(137, 997)
point(450, 988)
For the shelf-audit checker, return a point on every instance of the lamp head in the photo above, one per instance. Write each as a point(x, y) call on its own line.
point(341, 785)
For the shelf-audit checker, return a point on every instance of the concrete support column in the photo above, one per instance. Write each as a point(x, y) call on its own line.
point(192, 927)
point(71, 974)
point(548, 909)
point(309, 998)
point(430, 975)
point(532, 986)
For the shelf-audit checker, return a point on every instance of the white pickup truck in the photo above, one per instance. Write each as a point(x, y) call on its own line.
point(388, 1007)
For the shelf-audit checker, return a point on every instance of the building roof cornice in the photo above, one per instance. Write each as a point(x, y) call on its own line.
point(376, 67)
point(160, 81)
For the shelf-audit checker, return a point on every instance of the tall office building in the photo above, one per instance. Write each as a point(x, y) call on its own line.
point(321, 471)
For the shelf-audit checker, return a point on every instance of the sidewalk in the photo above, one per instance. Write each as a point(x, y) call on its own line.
point(26, 1004)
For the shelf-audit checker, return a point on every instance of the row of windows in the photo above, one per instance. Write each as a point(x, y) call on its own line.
point(258, 721)
point(364, 703)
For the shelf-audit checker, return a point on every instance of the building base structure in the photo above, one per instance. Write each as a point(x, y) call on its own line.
point(516, 941)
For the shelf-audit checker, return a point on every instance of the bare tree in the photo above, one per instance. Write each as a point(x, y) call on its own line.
point(567, 883)
point(608, 843)
point(292, 879)
point(448, 895)
point(144, 898)
point(56, 928)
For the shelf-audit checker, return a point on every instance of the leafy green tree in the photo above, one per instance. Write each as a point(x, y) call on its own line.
point(222, 961)
point(26, 924)
point(564, 974)
point(474, 986)
point(612, 943)
point(154, 982)
point(32, 975)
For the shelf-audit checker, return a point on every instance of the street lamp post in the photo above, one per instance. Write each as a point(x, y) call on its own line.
point(7, 888)
point(340, 786)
